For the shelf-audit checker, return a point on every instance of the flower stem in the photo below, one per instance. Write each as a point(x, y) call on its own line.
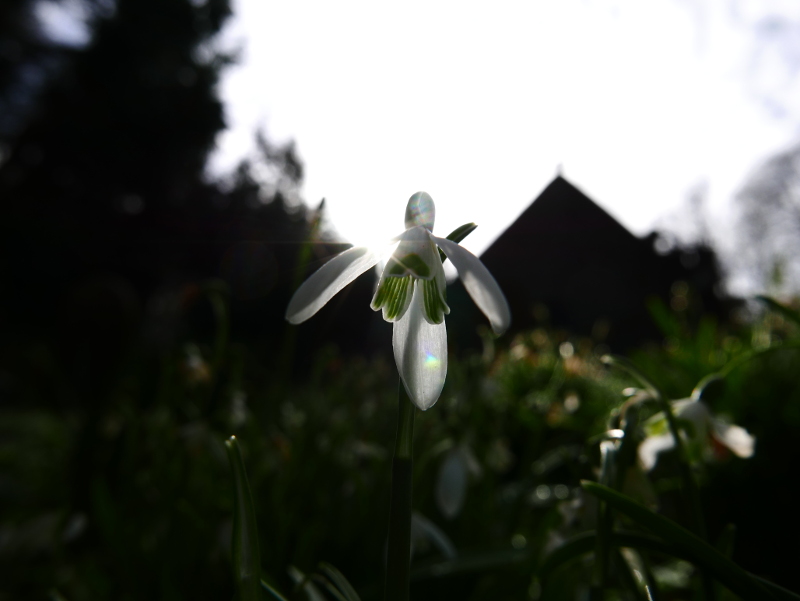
point(684, 465)
point(605, 522)
point(399, 540)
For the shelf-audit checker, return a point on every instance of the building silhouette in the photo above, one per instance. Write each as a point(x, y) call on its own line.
point(567, 264)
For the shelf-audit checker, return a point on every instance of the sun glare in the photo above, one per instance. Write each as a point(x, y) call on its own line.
point(373, 229)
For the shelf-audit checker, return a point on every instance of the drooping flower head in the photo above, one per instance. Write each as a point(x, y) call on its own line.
point(704, 431)
point(411, 295)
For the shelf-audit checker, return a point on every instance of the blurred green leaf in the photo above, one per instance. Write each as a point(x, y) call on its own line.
point(271, 590)
point(339, 580)
point(709, 388)
point(665, 319)
point(627, 366)
point(632, 572)
point(788, 313)
point(303, 582)
point(334, 592)
point(778, 592)
point(469, 562)
point(584, 543)
point(726, 540)
point(703, 554)
point(244, 544)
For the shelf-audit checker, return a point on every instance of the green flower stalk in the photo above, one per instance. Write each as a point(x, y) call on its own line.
point(411, 295)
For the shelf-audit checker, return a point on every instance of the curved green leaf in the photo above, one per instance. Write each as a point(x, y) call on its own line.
point(272, 591)
point(788, 313)
point(328, 586)
point(457, 235)
point(339, 580)
point(703, 554)
point(584, 543)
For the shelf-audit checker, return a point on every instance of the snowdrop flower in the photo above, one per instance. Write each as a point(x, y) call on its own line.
point(411, 294)
point(705, 429)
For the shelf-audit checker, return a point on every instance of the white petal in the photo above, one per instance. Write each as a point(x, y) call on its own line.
point(318, 289)
point(415, 255)
point(692, 410)
point(420, 211)
point(695, 413)
point(651, 447)
point(480, 284)
point(451, 484)
point(736, 438)
point(420, 351)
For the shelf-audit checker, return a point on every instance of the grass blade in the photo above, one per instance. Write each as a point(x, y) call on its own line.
point(703, 554)
point(339, 580)
point(305, 583)
point(244, 543)
point(786, 312)
point(271, 590)
point(334, 592)
point(584, 543)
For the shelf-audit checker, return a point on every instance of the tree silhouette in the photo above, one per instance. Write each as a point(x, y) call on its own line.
point(769, 223)
point(110, 232)
point(104, 173)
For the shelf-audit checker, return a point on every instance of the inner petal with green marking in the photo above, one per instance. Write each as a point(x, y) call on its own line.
point(433, 300)
point(393, 296)
point(415, 262)
point(416, 255)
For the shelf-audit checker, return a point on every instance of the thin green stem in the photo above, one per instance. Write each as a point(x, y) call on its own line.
point(684, 466)
point(244, 542)
point(604, 520)
point(399, 541)
point(405, 425)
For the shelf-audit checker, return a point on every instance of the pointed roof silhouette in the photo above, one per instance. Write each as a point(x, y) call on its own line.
point(567, 263)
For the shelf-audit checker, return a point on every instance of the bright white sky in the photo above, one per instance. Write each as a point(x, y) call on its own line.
point(637, 102)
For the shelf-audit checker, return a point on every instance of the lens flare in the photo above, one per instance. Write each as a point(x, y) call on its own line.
point(431, 360)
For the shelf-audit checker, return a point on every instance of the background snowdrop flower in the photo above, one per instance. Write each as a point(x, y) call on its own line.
point(411, 295)
point(705, 427)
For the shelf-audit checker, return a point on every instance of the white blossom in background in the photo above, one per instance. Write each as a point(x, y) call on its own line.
point(704, 428)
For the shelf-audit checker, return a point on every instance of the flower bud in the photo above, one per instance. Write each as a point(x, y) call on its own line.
point(420, 211)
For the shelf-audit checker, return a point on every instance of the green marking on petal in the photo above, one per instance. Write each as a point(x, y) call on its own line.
point(433, 302)
point(393, 296)
point(411, 262)
point(401, 299)
point(395, 268)
point(380, 294)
